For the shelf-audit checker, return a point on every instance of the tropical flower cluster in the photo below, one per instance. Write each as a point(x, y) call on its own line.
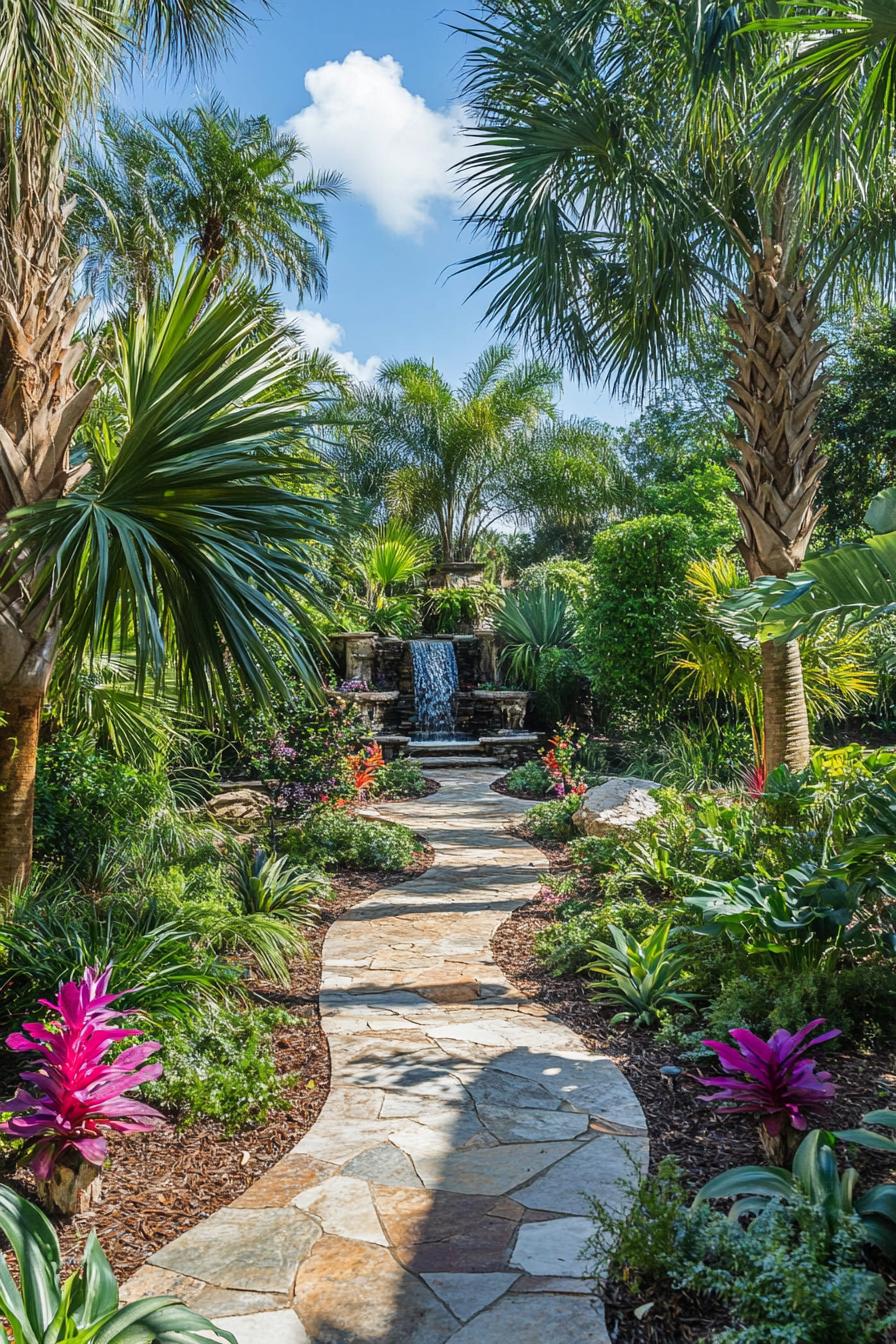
point(560, 761)
point(70, 1095)
point(365, 766)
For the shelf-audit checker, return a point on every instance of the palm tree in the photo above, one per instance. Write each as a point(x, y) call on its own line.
point(626, 173)
point(224, 184)
point(446, 454)
point(172, 544)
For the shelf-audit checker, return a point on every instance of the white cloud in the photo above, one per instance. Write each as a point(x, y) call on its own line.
point(395, 151)
point(322, 334)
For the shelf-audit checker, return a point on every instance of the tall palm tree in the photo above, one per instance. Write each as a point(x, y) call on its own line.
point(446, 453)
point(223, 184)
point(627, 176)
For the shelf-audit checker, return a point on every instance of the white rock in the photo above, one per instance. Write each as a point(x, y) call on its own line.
point(616, 805)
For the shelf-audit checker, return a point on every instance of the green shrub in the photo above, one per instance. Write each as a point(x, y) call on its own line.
point(399, 778)
point(86, 800)
point(50, 940)
point(221, 1066)
point(530, 780)
point(782, 1280)
point(552, 821)
point(594, 856)
point(332, 837)
point(634, 607)
point(566, 946)
point(860, 1000)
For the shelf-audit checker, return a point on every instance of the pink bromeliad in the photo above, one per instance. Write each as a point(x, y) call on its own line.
point(75, 1095)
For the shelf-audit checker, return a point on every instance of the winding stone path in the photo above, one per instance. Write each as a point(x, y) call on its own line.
point(443, 1192)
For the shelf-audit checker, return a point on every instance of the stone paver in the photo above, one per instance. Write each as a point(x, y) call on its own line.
point(442, 1194)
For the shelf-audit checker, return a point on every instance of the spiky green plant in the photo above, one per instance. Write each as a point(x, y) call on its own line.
point(532, 622)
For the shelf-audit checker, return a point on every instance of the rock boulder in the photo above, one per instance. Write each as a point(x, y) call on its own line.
point(243, 807)
point(616, 805)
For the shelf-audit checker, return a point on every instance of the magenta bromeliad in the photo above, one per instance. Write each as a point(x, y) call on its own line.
point(70, 1095)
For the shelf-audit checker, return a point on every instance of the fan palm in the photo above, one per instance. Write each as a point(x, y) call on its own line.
point(853, 584)
point(614, 234)
point(450, 450)
point(224, 184)
point(712, 661)
point(389, 557)
point(56, 59)
point(176, 543)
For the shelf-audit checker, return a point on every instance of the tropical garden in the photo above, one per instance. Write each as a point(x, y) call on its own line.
point(199, 509)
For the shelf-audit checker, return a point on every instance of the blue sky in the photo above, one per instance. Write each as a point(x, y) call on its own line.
point(381, 107)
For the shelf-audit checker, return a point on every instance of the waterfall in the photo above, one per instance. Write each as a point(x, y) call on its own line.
point(435, 687)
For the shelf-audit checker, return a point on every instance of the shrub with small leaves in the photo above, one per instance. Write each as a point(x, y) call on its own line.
point(399, 778)
point(552, 821)
point(334, 837)
point(529, 780)
point(222, 1067)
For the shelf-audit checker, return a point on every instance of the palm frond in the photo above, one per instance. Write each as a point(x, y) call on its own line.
point(181, 545)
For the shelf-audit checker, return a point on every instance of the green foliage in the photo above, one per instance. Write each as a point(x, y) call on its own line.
point(566, 947)
point(83, 1308)
point(230, 186)
point(399, 778)
point(851, 584)
point(702, 496)
point(138, 556)
point(529, 780)
point(444, 455)
point(531, 623)
point(332, 836)
point(390, 557)
point(562, 575)
point(552, 821)
point(300, 748)
point(782, 1280)
point(815, 1177)
point(85, 800)
point(452, 609)
point(641, 977)
point(859, 999)
point(276, 901)
point(53, 939)
point(223, 1067)
point(856, 419)
point(635, 606)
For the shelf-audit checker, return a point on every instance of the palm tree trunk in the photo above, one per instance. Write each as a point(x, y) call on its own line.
point(774, 392)
point(20, 708)
point(40, 410)
point(784, 701)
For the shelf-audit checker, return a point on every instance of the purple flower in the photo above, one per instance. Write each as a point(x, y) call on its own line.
point(75, 1095)
point(780, 1084)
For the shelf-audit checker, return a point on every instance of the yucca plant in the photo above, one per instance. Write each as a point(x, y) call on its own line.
point(85, 1308)
point(277, 902)
point(816, 1177)
point(641, 977)
point(532, 622)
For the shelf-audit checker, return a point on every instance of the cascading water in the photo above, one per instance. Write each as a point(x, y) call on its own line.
point(435, 688)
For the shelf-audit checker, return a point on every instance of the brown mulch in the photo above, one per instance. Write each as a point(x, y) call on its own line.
point(159, 1185)
point(703, 1142)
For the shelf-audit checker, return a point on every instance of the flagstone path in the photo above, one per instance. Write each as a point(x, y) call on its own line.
point(442, 1193)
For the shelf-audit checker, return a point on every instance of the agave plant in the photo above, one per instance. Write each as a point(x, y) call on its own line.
point(77, 1097)
point(531, 622)
point(277, 902)
point(815, 1176)
point(780, 1085)
point(641, 977)
point(85, 1308)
